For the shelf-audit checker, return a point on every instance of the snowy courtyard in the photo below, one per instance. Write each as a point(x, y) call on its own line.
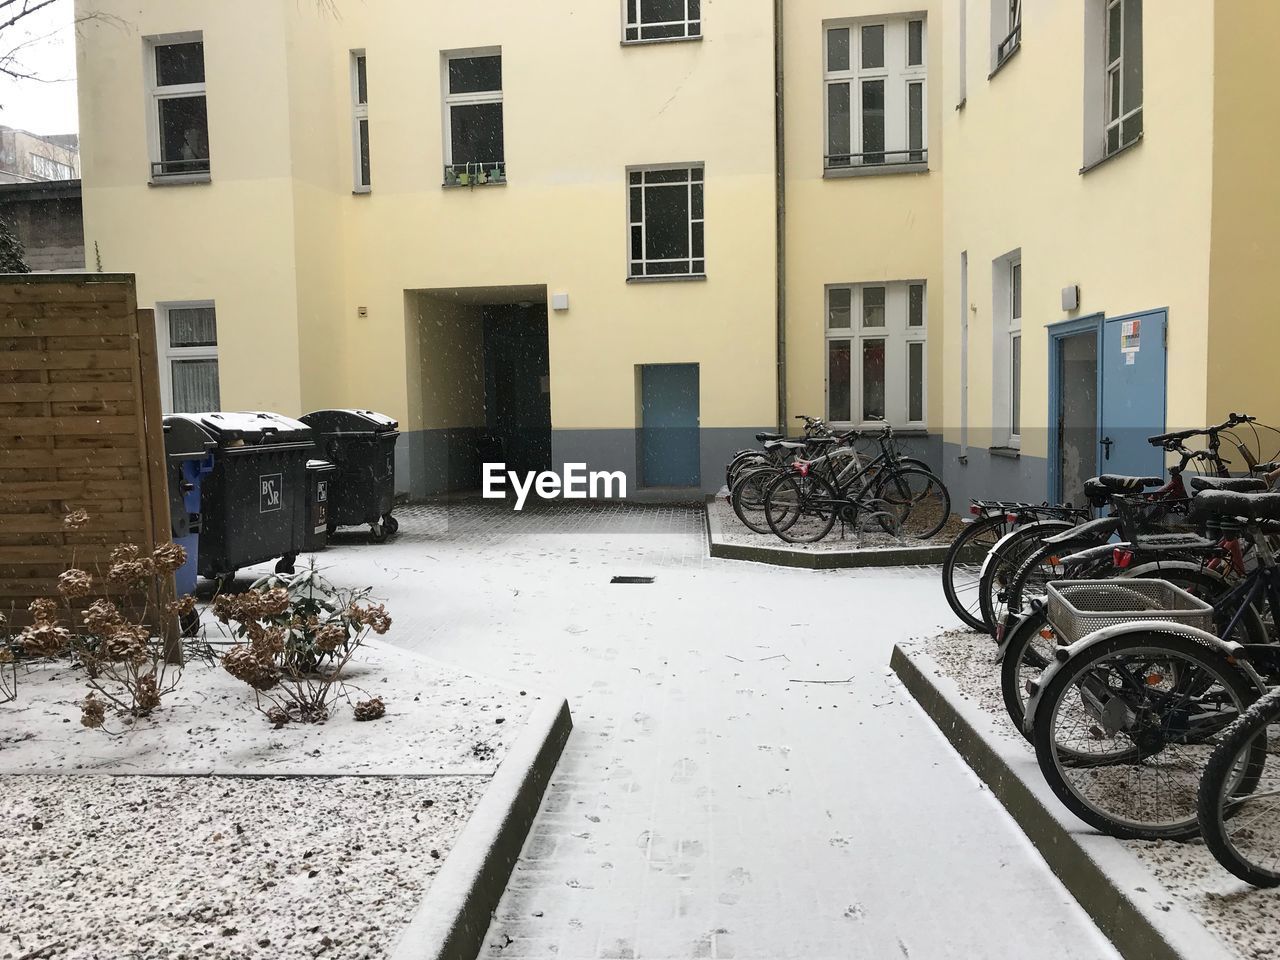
point(745, 777)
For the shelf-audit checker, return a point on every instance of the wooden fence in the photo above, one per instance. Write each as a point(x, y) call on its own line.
point(80, 429)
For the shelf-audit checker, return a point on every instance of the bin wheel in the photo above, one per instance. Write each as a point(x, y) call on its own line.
point(285, 564)
point(189, 624)
point(221, 581)
point(331, 529)
point(391, 524)
point(377, 532)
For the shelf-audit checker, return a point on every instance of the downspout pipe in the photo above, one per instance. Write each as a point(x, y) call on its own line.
point(780, 190)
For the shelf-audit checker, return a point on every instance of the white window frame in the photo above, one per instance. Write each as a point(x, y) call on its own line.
point(700, 180)
point(633, 25)
point(962, 55)
point(1006, 31)
point(1006, 327)
point(1115, 68)
point(898, 334)
point(359, 115)
point(170, 353)
point(176, 91)
point(451, 100)
point(898, 75)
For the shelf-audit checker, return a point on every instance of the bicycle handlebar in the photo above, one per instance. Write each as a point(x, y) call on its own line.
point(1170, 440)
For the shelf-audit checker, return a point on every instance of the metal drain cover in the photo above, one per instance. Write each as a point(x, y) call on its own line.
point(632, 580)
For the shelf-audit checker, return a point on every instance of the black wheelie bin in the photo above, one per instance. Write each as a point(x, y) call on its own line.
point(362, 444)
point(253, 503)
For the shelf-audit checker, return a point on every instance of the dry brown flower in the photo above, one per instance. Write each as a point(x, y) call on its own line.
point(102, 617)
point(92, 712)
point(147, 696)
point(169, 556)
point(183, 606)
point(245, 665)
point(279, 716)
point(224, 608)
point(330, 637)
point(125, 643)
point(75, 519)
point(273, 603)
point(44, 610)
point(375, 618)
point(75, 583)
point(131, 571)
point(371, 709)
point(44, 639)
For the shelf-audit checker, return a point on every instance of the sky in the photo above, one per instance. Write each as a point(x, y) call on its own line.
point(47, 105)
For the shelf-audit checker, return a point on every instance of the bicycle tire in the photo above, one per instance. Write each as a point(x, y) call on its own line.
point(749, 485)
point(1004, 559)
point(1212, 802)
point(807, 489)
point(953, 561)
point(1054, 697)
point(932, 505)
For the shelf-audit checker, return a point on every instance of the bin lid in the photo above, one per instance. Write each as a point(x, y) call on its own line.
point(350, 421)
point(321, 466)
point(252, 428)
point(185, 439)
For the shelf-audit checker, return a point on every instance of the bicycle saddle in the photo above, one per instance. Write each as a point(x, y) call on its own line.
point(1119, 484)
point(1226, 503)
point(1234, 484)
point(766, 437)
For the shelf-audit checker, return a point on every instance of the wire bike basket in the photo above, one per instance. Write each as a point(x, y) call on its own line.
point(1077, 608)
point(1139, 514)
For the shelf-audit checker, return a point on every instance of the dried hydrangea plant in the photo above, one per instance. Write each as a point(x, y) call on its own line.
point(295, 637)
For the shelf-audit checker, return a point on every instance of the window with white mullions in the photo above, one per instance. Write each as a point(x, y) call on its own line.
point(360, 121)
point(1012, 24)
point(648, 20)
point(180, 121)
point(188, 341)
point(876, 93)
point(1124, 73)
point(876, 353)
point(473, 118)
point(666, 222)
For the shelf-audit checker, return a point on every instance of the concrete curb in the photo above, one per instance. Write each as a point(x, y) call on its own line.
point(783, 556)
point(453, 918)
point(1130, 906)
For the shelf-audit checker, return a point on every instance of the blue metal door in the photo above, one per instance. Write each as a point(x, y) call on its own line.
point(1133, 394)
point(669, 425)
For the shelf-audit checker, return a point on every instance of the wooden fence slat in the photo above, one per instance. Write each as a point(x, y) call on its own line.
point(65, 426)
point(69, 457)
point(52, 523)
point(65, 360)
point(67, 489)
point(64, 392)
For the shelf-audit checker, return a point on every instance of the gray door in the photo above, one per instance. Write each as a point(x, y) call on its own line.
point(669, 446)
point(1077, 414)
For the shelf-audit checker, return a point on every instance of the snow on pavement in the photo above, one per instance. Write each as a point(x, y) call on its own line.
point(710, 803)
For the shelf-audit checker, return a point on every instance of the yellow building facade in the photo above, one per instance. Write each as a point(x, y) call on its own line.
point(633, 234)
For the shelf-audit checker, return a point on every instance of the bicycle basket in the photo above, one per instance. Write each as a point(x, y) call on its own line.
point(1139, 515)
point(1079, 607)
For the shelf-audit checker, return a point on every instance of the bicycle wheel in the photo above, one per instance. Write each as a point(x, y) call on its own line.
point(1043, 565)
point(1124, 729)
point(925, 497)
point(1003, 562)
point(1241, 823)
point(962, 568)
point(1029, 647)
point(748, 497)
point(743, 461)
point(801, 509)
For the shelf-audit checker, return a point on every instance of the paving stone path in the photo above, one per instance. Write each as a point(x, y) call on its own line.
point(745, 778)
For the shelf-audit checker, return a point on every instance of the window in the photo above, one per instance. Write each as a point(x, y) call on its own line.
point(188, 339)
point(1006, 30)
point(649, 20)
point(360, 121)
point(43, 168)
point(180, 122)
point(876, 353)
point(666, 222)
point(876, 97)
point(473, 137)
point(1006, 386)
point(1124, 73)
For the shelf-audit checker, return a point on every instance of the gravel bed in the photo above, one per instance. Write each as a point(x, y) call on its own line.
point(730, 530)
point(1245, 918)
point(175, 868)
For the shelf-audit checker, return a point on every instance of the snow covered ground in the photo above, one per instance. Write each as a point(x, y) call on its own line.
point(1245, 918)
point(175, 868)
point(713, 800)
